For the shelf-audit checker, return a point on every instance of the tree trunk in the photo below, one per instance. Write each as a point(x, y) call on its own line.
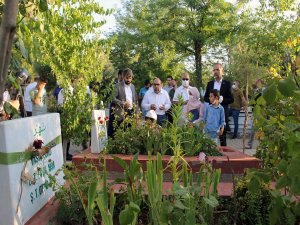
point(198, 63)
point(7, 31)
point(246, 113)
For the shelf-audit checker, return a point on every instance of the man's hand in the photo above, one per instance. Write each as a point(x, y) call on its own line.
point(220, 132)
point(191, 124)
point(162, 107)
point(153, 106)
point(41, 86)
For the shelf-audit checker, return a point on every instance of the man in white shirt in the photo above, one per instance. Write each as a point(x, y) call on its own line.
point(28, 102)
point(182, 92)
point(157, 99)
point(61, 95)
point(38, 97)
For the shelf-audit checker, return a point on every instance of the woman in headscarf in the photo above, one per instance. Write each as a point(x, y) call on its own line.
point(193, 111)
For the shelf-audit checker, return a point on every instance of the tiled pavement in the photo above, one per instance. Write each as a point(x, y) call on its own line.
point(237, 143)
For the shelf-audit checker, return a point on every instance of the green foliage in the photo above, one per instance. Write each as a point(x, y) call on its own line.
point(157, 37)
point(68, 40)
point(76, 115)
point(278, 121)
point(84, 194)
point(250, 207)
point(90, 199)
point(259, 41)
point(106, 200)
point(192, 202)
point(194, 141)
point(142, 139)
point(287, 86)
point(154, 182)
point(136, 138)
point(70, 210)
point(64, 35)
point(11, 111)
point(133, 178)
point(45, 72)
point(129, 214)
point(73, 199)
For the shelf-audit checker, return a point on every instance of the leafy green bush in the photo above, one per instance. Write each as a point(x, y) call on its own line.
point(278, 121)
point(251, 208)
point(71, 209)
point(138, 138)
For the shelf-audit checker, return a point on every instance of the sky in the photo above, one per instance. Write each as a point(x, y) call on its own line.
point(110, 20)
point(115, 4)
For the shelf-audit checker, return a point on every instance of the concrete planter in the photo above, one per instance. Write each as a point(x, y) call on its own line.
point(231, 161)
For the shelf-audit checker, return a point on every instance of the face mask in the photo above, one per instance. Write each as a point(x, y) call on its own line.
point(233, 86)
point(185, 83)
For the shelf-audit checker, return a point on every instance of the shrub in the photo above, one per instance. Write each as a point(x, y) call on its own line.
point(138, 138)
point(250, 207)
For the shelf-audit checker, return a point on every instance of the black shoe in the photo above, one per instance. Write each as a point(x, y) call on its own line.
point(69, 157)
point(234, 137)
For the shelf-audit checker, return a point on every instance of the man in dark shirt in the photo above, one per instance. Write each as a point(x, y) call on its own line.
point(226, 97)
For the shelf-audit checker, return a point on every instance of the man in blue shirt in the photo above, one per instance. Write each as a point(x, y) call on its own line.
point(214, 117)
point(142, 93)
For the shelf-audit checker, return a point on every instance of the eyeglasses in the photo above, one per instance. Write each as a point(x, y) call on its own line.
point(156, 84)
point(185, 78)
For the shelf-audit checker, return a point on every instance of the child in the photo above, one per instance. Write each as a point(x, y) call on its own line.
point(214, 116)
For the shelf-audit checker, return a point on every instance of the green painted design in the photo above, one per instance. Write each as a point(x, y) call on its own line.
point(19, 157)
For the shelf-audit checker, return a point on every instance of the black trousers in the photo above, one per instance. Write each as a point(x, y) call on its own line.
point(29, 114)
point(223, 136)
point(110, 128)
point(115, 126)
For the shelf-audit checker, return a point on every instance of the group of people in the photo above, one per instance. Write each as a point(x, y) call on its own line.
point(33, 103)
point(156, 102)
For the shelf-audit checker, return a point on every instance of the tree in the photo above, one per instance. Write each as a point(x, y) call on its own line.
point(191, 25)
point(138, 46)
point(66, 37)
point(7, 32)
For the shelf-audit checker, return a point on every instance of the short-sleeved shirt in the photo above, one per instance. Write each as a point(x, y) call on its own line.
point(142, 92)
point(38, 109)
